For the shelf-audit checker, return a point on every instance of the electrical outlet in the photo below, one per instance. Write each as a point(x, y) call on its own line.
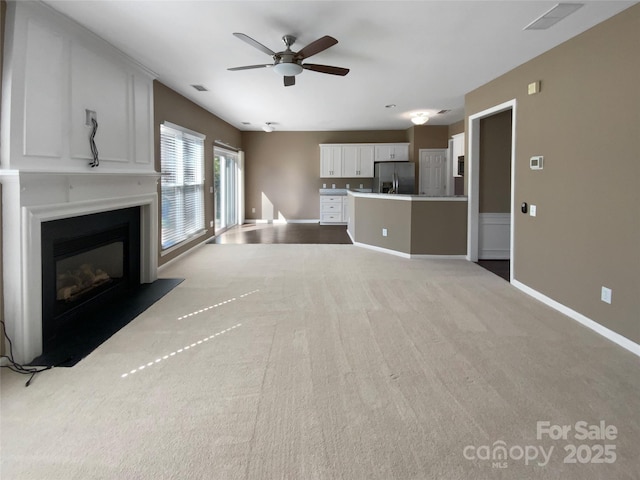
point(253, 210)
point(211, 223)
point(384, 232)
point(605, 295)
point(324, 185)
point(90, 115)
point(361, 185)
point(533, 210)
point(333, 185)
point(347, 186)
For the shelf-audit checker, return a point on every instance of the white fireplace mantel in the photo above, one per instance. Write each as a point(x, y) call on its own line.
point(31, 198)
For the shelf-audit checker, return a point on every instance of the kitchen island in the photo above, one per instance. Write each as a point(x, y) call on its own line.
point(408, 225)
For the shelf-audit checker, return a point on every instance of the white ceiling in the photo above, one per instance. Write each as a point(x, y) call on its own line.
point(418, 55)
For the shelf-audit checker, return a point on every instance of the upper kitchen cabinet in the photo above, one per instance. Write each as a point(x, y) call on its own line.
point(56, 71)
point(330, 161)
point(457, 150)
point(357, 161)
point(392, 152)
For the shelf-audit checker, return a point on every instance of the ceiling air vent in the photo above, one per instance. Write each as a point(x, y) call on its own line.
point(200, 88)
point(553, 16)
point(443, 111)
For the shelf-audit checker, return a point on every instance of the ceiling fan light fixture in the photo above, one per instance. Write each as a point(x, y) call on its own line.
point(288, 69)
point(268, 128)
point(420, 118)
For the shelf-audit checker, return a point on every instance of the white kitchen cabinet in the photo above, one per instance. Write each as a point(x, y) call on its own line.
point(457, 150)
point(392, 152)
point(331, 209)
point(357, 161)
point(330, 161)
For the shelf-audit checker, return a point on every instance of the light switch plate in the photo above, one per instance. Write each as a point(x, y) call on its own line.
point(384, 232)
point(533, 88)
point(532, 210)
point(605, 295)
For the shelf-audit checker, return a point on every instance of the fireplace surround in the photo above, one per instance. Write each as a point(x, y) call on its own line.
point(31, 199)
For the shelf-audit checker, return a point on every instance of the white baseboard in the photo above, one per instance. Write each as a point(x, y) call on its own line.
point(624, 342)
point(259, 221)
point(382, 250)
point(439, 257)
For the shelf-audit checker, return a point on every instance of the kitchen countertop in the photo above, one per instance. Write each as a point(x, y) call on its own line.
point(411, 198)
point(343, 191)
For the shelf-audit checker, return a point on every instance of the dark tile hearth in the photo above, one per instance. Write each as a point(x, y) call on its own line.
point(102, 323)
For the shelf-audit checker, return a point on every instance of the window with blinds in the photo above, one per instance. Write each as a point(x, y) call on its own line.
point(182, 159)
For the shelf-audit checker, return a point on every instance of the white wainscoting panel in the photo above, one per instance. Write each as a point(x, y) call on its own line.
point(494, 236)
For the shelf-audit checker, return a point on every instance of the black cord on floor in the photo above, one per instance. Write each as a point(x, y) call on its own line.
point(15, 366)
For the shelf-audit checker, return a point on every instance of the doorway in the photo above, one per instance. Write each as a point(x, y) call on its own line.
point(434, 172)
point(226, 189)
point(479, 222)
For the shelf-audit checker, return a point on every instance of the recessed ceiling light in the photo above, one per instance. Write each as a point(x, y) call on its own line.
point(553, 16)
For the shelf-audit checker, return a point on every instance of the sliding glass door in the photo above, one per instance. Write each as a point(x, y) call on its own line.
point(225, 184)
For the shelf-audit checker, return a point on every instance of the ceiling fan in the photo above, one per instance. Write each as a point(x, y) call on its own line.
point(289, 63)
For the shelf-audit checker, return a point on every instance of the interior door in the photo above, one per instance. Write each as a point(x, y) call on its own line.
point(433, 172)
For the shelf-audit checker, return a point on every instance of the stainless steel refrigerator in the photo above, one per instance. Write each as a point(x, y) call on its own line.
point(394, 177)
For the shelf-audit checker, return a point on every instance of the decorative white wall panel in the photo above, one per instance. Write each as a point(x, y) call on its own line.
point(143, 121)
point(494, 239)
point(55, 70)
point(100, 86)
point(43, 90)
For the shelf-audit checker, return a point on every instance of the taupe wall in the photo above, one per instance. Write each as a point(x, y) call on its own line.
point(427, 136)
point(586, 123)
point(495, 163)
point(456, 128)
point(172, 107)
point(374, 214)
point(282, 170)
point(439, 228)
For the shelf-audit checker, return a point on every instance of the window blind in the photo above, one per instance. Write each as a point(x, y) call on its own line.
point(182, 159)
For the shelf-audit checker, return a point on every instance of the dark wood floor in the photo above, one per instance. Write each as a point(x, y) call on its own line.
point(285, 233)
point(499, 267)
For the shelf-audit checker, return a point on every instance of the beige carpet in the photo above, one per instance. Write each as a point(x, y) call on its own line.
point(328, 362)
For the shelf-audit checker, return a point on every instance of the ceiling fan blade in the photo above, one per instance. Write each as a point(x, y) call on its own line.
point(249, 67)
point(255, 43)
point(317, 46)
point(288, 81)
point(326, 69)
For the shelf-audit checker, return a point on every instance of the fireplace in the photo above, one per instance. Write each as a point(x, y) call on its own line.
point(33, 201)
point(88, 261)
